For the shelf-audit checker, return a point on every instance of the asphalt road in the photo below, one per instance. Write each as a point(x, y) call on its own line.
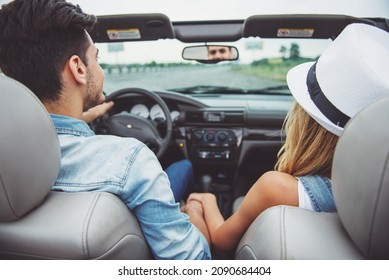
point(154, 79)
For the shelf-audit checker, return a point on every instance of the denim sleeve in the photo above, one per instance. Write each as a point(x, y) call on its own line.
point(167, 230)
point(319, 190)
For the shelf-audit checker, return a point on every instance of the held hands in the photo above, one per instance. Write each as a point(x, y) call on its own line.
point(194, 208)
point(196, 202)
point(97, 111)
point(204, 206)
point(202, 198)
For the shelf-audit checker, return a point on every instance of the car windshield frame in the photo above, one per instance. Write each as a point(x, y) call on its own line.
point(158, 65)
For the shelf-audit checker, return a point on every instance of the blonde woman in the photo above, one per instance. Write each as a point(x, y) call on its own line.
point(350, 74)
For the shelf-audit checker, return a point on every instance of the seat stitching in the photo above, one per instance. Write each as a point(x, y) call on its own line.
point(282, 237)
point(7, 196)
point(85, 228)
point(376, 205)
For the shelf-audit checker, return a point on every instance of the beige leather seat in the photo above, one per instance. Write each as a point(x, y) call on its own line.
point(360, 180)
point(37, 223)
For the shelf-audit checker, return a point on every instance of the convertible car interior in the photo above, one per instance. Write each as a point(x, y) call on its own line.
point(230, 134)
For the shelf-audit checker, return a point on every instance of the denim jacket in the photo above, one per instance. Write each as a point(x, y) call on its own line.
point(319, 190)
point(128, 169)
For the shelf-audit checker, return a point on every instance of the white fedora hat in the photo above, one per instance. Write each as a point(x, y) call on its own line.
point(352, 73)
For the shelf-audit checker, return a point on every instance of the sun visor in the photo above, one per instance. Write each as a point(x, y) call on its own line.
point(132, 27)
point(298, 26)
point(208, 31)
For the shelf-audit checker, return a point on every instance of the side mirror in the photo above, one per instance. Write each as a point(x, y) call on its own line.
point(210, 53)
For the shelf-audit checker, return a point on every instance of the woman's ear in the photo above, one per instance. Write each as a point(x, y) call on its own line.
point(78, 69)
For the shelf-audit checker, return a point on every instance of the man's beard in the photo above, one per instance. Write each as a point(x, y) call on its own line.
point(92, 93)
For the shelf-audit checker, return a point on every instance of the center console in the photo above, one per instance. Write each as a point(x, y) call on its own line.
point(219, 144)
point(213, 141)
point(214, 136)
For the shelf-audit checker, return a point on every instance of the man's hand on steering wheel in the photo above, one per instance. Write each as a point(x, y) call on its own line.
point(97, 111)
point(130, 125)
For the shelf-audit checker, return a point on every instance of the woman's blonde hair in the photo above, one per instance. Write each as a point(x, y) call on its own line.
point(309, 148)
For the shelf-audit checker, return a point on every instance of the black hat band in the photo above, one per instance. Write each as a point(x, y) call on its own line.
point(321, 101)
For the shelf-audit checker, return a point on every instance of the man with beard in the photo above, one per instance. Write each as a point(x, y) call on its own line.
point(45, 45)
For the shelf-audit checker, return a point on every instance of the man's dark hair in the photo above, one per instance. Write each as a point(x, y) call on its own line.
point(37, 37)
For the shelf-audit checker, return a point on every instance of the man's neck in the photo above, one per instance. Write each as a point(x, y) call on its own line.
point(70, 108)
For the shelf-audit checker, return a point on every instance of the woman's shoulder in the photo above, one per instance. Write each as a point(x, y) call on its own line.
point(276, 188)
point(278, 178)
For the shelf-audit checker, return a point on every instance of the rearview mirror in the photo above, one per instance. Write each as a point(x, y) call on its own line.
point(210, 53)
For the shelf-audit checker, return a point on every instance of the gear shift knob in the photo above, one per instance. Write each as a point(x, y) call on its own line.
point(206, 182)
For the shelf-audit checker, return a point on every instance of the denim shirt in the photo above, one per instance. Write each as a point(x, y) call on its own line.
point(130, 170)
point(319, 190)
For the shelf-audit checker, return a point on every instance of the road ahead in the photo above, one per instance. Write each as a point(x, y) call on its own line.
point(184, 77)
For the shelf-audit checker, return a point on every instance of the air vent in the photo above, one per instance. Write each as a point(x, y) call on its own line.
point(229, 117)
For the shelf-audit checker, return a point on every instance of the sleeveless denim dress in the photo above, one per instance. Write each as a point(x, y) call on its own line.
point(319, 190)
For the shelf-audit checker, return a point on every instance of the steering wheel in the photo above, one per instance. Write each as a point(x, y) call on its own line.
point(130, 125)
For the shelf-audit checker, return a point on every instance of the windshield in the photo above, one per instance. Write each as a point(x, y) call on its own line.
point(262, 63)
point(158, 65)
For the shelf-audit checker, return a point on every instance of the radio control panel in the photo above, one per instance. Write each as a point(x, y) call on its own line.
point(213, 143)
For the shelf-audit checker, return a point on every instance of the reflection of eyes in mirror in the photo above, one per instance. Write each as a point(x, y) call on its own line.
point(214, 52)
point(210, 53)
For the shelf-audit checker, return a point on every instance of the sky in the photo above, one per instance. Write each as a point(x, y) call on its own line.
point(226, 9)
point(178, 10)
point(184, 10)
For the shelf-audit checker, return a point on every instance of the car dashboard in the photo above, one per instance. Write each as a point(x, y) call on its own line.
point(230, 138)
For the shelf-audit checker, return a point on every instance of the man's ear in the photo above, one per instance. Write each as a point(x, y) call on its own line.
point(78, 69)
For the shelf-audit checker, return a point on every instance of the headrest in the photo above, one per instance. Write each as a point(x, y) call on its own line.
point(360, 178)
point(30, 155)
